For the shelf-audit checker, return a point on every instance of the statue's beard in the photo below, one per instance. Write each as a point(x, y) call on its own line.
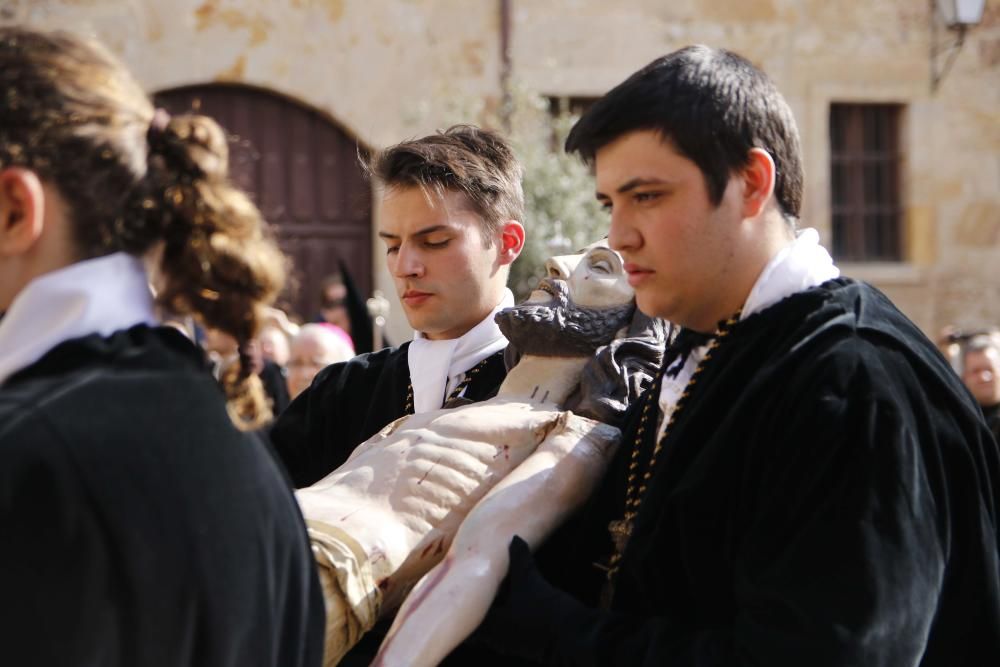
point(560, 328)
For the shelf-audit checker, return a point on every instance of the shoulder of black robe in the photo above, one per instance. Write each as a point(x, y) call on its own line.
point(992, 415)
point(138, 525)
point(828, 497)
point(346, 404)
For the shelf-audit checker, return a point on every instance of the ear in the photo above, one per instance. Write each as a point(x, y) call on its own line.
point(22, 210)
point(758, 182)
point(511, 241)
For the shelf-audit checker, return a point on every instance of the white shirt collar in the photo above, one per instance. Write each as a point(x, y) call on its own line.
point(99, 296)
point(435, 365)
point(802, 264)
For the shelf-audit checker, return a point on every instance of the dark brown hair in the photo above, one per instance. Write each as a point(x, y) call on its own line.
point(475, 162)
point(134, 181)
point(714, 106)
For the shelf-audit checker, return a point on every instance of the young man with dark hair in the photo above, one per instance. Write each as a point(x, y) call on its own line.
point(807, 483)
point(451, 215)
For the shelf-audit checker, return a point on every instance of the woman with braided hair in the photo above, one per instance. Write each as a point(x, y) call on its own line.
point(140, 523)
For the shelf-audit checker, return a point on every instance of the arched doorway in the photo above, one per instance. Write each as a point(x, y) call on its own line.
point(303, 172)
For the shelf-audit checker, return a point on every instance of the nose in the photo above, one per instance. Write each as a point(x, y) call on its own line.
point(622, 236)
point(561, 266)
point(408, 263)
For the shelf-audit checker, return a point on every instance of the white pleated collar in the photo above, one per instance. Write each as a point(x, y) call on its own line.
point(436, 365)
point(99, 296)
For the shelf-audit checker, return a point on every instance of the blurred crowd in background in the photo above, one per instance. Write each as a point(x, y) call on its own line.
point(975, 356)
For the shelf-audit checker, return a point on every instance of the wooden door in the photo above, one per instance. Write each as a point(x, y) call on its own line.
point(303, 171)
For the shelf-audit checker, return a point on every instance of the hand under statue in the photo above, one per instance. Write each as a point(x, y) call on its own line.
point(450, 488)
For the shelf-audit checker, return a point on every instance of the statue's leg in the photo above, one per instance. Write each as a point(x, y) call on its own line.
point(350, 592)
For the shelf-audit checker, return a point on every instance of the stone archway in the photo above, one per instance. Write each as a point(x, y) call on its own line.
point(302, 170)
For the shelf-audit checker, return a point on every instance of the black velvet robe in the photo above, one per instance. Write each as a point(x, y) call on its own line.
point(349, 402)
point(828, 497)
point(992, 415)
point(137, 525)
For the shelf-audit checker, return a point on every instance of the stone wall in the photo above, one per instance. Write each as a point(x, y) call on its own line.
point(391, 69)
point(820, 52)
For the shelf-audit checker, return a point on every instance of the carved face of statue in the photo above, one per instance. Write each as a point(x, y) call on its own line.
point(580, 305)
point(595, 277)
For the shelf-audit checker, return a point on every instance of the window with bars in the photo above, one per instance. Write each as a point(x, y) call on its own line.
point(865, 182)
point(564, 111)
point(574, 104)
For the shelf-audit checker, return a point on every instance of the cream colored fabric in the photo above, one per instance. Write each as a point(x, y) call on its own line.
point(350, 589)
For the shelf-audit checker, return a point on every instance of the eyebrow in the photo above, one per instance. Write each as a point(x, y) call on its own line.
point(632, 185)
point(420, 232)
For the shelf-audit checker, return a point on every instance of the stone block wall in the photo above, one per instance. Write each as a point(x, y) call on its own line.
point(386, 70)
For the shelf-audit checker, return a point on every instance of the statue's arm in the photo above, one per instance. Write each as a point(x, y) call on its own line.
point(453, 598)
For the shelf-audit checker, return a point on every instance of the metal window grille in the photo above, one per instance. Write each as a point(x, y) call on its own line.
point(865, 182)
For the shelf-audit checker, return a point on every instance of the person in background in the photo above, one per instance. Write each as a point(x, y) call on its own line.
point(274, 345)
point(981, 374)
point(344, 306)
point(273, 378)
point(333, 302)
point(141, 523)
point(949, 342)
point(227, 356)
point(314, 348)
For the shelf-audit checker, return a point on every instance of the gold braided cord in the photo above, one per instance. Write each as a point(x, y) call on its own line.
point(621, 530)
point(455, 393)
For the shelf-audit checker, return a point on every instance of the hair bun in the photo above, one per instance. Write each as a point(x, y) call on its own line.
point(190, 145)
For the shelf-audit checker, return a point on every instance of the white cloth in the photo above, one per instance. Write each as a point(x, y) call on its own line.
point(99, 296)
point(438, 366)
point(802, 264)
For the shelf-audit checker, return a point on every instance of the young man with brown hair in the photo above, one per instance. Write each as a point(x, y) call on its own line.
point(450, 219)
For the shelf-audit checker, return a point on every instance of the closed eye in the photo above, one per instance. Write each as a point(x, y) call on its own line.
point(642, 197)
point(602, 260)
point(601, 266)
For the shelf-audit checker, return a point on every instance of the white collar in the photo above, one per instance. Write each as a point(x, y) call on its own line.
point(436, 364)
point(802, 264)
point(99, 296)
